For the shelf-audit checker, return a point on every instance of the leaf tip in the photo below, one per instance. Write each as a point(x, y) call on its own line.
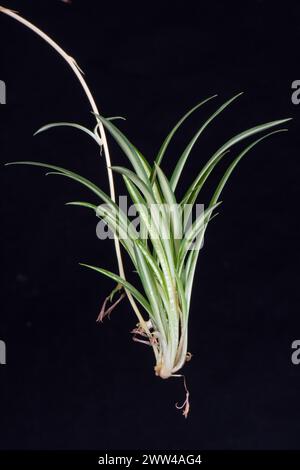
point(11, 163)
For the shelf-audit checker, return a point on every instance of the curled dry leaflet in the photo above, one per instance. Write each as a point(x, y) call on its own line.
point(165, 265)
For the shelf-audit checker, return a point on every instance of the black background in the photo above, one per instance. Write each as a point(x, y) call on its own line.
point(72, 384)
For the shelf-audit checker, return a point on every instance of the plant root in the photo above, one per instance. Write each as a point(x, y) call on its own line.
point(138, 331)
point(186, 404)
point(107, 311)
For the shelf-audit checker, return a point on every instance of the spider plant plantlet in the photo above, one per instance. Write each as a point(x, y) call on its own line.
point(164, 259)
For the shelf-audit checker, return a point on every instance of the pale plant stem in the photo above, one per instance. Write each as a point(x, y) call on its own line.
point(79, 74)
point(182, 350)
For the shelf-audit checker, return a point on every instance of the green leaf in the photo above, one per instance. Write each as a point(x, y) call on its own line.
point(232, 166)
point(95, 189)
point(126, 146)
point(113, 118)
point(183, 159)
point(123, 233)
point(192, 262)
point(157, 225)
point(69, 124)
point(194, 231)
point(82, 204)
point(119, 215)
point(143, 187)
point(169, 137)
point(74, 176)
point(127, 285)
point(152, 262)
point(149, 285)
point(174, 209)
point(230, 143)
point(143, 211)
point(193, 256)
point(188, 202)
